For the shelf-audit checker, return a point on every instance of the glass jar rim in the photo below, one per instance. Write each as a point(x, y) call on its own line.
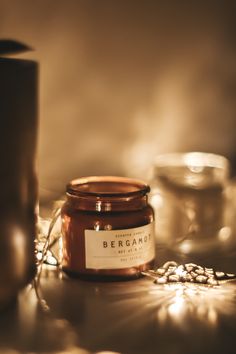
point(117, 187)
point(195, 158)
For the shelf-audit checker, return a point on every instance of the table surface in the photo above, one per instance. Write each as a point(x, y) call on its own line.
point(131, 317)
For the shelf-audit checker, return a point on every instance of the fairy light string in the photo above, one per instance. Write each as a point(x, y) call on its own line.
point(169, 272)
point(42, 257)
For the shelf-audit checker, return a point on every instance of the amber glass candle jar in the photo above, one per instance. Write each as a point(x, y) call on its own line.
point(107, 228)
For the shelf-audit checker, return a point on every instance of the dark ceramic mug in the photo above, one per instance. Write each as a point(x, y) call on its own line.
point(18, 191)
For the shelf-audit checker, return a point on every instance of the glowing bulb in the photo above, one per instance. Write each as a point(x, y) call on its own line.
point(179, 271)
point(156, 201)
point(224, 234)
point(185, 247)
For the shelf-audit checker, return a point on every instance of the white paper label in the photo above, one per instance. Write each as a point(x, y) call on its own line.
point(117, 249)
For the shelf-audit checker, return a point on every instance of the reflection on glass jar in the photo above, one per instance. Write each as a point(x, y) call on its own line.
point(189, 198)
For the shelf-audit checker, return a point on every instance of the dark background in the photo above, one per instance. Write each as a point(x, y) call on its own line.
point(122, 81)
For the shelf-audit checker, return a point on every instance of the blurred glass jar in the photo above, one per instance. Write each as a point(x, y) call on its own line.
point(18, 194)
point(189, 196)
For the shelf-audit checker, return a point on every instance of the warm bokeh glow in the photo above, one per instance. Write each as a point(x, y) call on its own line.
point(122, 81)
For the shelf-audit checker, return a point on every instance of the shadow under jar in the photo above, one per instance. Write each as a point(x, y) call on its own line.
point(107, 228)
